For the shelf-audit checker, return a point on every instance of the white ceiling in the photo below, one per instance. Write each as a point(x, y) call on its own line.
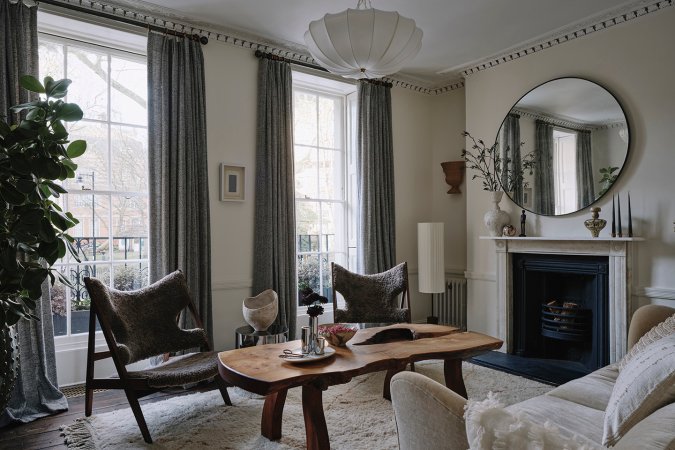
point(457, 33)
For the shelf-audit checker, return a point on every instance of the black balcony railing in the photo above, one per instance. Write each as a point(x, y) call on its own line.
point(126, 275)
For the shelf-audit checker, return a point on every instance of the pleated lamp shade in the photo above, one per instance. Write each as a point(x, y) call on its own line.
point(363, 43)
point(431, 257)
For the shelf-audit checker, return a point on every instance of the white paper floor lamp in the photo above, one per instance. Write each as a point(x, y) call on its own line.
point(431, 261)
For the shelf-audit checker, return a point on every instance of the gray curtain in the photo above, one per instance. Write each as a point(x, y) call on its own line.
point(375, 169)
point(180, 236)
point(274, 257)
point(585, 184)
point(511, 157)
point(36, 392)
point(544, 199)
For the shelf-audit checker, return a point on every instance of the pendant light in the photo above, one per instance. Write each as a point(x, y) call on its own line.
point(363, 42)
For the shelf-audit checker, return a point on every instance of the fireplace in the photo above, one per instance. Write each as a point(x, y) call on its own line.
point(560, 309)
point(617, 251)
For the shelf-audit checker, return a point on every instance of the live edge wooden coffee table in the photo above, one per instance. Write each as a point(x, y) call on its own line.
point(260, 370)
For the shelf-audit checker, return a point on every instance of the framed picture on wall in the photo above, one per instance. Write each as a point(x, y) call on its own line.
point(232, 182)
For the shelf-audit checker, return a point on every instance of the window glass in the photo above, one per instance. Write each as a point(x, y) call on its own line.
point(320, 179)
point(109, 194)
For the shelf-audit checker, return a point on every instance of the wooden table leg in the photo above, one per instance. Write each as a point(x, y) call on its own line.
point(315, 421)
point(452, 369)
point(273, 410)
point(386, 389)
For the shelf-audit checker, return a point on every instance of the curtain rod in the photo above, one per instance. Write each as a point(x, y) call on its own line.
point(273, 57)
point(137, 22)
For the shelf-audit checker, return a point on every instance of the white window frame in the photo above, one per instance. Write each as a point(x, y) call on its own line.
point(317, 85)
point(115, 42)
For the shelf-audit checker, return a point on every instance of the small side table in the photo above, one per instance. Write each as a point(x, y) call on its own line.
point(246, 336)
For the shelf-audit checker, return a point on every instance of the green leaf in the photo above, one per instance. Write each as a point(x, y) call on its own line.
point(76, 148)
point(22, 106)
point(21, 164)
point(32, 84)
point(48, 82)
point(55, 187)
point(33, 278)
point(36, 114)
point(60, 220)
point(69, 112)
point(25, 186)
point(11, 195)
point(47, 232)
point(12, 317)
point(59, 89)
point(59, 130)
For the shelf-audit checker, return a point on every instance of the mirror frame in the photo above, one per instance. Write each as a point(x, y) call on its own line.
point(625, 160)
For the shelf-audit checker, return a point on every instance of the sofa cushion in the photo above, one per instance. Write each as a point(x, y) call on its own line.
point(661, 330)
point(593, 390)
point(491, 426)
point(656, 432)
point(571, 418)
point(645, 384)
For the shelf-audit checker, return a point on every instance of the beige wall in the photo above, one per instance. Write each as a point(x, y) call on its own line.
point(633, 60)
point(231, 92)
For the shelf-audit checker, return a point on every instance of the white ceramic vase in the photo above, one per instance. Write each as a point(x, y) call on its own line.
point(495, 218)
point(261, 311)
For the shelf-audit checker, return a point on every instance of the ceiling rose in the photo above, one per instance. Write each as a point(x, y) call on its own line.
point(363, 42)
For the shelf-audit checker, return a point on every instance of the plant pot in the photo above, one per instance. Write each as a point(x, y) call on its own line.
point(9, 364)
point(261, 311)
point(454, 174)
point(495, 218)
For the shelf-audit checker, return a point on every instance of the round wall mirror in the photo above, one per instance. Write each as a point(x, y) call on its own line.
point(570, 139)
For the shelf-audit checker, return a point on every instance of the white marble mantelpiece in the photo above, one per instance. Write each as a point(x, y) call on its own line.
point(620, 254)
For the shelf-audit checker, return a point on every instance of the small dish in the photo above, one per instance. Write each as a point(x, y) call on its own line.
point(327, 353)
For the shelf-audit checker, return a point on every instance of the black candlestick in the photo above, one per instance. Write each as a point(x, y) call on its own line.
point(630, 219)
point(522, 224)
point(618, 210)
point(613, 225)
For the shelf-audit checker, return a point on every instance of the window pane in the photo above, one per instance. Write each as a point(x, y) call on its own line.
point(92, 167)
point(330, 122)
point(307, 228)
point(331, 174)
point(326, 280)
point(130, 227)
point(129, 158)
point(308, 272)
point(79, 297)
point(91, 234)
point(128, 96)
point(329, 213)
point(89, 72)
point(129, 277)
point(59, 305)
point(304, 115)
point(306, 166)
point(51, 60)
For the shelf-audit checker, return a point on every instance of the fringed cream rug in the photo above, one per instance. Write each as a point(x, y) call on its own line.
point(356, 414)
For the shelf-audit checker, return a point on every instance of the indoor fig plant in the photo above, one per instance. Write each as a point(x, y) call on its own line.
point(35, 155)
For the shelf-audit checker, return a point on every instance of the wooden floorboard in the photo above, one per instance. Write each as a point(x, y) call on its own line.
point(45, 433)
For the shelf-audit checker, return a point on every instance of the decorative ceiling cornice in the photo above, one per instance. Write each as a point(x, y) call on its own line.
point(616, 17)
point(154, 15)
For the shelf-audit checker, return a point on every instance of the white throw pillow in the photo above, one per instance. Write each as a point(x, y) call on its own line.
point(663, 329)
point(490, 426)
point(645, 384)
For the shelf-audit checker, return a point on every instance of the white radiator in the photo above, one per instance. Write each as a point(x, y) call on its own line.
point(450, 306)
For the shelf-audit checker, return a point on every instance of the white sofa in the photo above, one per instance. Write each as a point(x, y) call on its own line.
point(430, 416)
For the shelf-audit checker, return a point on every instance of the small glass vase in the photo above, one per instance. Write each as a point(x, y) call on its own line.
point(313, 333)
